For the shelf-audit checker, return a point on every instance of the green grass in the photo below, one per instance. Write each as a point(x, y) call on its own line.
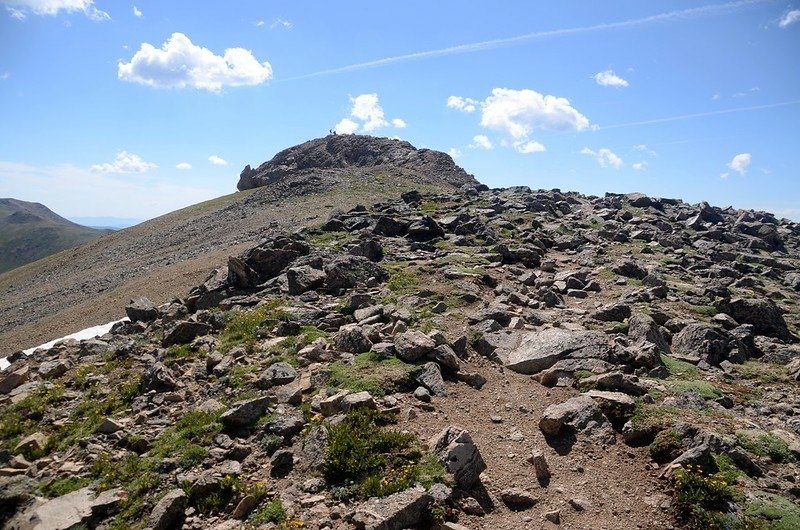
point(179, 352)
point(767, 445)
point(705, 310)
point(704, 388)
point(773, 512)
point(371, 372)
point(403, 281)
point(765, 372)
point(62, 486)
point(245, 328)
point(679, 368)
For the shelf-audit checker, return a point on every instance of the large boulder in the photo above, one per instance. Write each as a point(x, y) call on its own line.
point(580, 415)
point(246, 413)
point(704, 342)
point(141, 310)
point(349, 271)
point(168, 512)
point(411, 345)
point(537, 351)
point(642, 328)
point(763, 314)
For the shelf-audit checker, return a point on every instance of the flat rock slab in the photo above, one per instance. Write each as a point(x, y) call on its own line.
point(405, 509)
point(531, 352)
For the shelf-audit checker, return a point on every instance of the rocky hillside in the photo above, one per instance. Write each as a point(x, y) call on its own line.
point(164, 257)
point(30, 231)
point(350, 154)
point(473, 359)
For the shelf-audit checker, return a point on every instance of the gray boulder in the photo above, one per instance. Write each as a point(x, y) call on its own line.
point(765, 317)
point(537, 351)
point(168, 512)
point(141, 310)
point(642, 328)
point(351, 271)
point(277, 374)
point(246, 413)
point(352, 339)
point(411, 345)
point(582, 415)
point(405, 509)
point(430, 376)
point(459, 455)
point(304, 278)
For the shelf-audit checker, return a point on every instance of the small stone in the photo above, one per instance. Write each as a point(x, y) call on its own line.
point(244, 507)
point(553, 516)
point(421, 393)
point(580, 504)
point(517, 499)
point(540, 467)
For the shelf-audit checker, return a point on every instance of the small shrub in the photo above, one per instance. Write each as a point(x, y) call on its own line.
point(271, 512)
point(367, 460)
point(704, 388)
point(703, 500)
point(402, 281)
point(271, 443)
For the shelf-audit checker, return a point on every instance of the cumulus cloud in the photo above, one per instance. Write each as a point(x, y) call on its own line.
point(740, 163)
point(454, 152)
point(346, 126)
point(20, 9)
point(184, 165)
point(369, 116)
point(217, 160)
point(481, 141)
point(605, 157)
point(180, 63)
point(639, 166)
point(124, 163)
point(531, 146)
point(789, 18)
point(137, 12)
point(609, 78)
point(515, 114)
point(462, 104)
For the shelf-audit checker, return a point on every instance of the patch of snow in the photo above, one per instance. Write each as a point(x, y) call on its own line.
point(88, 333)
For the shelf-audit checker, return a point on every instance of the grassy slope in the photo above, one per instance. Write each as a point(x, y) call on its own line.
point(29, 231)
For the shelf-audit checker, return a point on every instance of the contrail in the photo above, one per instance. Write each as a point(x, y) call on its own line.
point(511, 41)
point(699, 115)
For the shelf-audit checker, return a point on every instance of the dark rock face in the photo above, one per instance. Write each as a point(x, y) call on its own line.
point(763, 314)
point(355, 151)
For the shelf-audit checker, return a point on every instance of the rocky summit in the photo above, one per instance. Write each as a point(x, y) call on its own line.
point(346, 153)
point(468, 358)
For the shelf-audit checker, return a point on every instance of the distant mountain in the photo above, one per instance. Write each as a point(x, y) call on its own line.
point(114, 223)
point(30, 231)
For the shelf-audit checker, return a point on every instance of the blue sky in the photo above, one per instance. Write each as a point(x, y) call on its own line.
point(134, 109)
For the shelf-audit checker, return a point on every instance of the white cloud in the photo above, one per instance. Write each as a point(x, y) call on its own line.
point(184, 165)
point(643, 148)
point(724, 176)
point(605, 157)
point(481, 141)
point(715, 97)
point(531, 146)
point(180, 63)
point(462, 104)
point(217, 161)
point(19, 9)
point(137, 12)
point(280, 23)
point(346, 126)
point(517, 113)
point(454, 152)
point(639, 166)
point(75, 191)
point(4, 76)
point(789, 18)
point(367, 110)
point(609, 78)
point(259, 23)
point(124, 163)
point(740, 163)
